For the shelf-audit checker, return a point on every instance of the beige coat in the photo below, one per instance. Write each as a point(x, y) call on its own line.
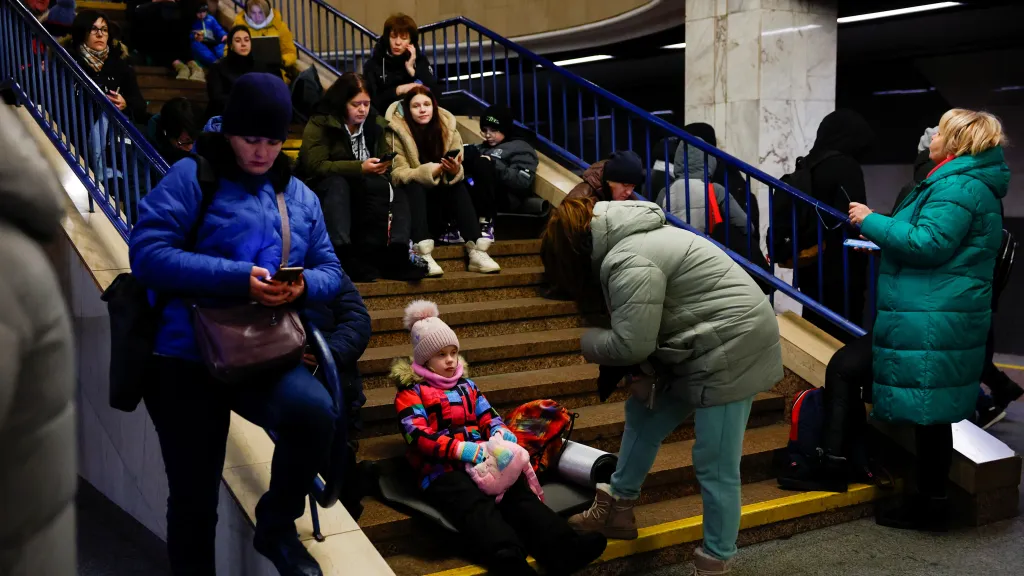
point(406, 167)
point(38, 474)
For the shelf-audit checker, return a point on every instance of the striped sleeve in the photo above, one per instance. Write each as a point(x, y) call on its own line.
point(487, 417)
point(416, 429)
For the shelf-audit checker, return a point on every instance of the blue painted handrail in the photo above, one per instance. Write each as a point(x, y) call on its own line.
point(111, 157)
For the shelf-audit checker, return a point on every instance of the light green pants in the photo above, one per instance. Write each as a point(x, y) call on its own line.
point(716, 460)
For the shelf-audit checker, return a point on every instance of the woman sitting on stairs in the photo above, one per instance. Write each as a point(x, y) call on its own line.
point(690, 332)
point(225, 72)
point(429, 181)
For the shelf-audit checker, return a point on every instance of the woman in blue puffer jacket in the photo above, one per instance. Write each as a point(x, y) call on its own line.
point(237, 247)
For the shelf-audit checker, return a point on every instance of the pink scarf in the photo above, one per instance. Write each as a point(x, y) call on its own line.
point(436, 380)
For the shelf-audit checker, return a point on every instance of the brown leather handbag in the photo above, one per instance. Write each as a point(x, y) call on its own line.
point(240, 342)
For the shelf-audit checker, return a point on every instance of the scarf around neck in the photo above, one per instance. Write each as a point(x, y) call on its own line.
point(255, 26)
point(436, 380)
point(93, 58)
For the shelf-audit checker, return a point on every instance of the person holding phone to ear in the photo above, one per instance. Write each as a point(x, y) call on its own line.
point(429, 180)
point(397, 64)
point(345, 159)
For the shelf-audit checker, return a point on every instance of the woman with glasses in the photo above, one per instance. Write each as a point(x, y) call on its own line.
point(106, 63)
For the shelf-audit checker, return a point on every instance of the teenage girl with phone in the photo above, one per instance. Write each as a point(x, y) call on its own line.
point(427, 174)
point(344, 158)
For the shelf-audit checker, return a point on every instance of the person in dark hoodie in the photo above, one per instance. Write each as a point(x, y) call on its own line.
point(174, 130)
point(238, 60)
point(397, 64)
point(837, 180)
point(503, 167)
point(340, 159)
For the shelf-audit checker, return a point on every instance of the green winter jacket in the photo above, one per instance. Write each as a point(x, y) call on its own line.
point(675, 295)
point(327, 147)
point(935, 290)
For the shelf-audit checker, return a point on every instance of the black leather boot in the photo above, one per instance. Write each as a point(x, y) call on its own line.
point(287, 554)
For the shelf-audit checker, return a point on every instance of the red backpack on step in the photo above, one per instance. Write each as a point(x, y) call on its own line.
point(542, 427)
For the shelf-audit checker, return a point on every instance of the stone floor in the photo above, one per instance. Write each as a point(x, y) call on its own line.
point(862, 548)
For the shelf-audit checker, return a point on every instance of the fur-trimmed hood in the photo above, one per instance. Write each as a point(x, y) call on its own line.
point(403, 376)
point(406, 167)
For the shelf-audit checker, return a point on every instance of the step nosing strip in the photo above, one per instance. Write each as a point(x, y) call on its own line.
point(691, 529)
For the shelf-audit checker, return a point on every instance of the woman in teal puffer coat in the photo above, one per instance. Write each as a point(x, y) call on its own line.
point(935, 298)
point(696, 333)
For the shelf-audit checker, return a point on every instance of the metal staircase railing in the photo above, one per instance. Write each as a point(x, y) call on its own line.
point(583, 122)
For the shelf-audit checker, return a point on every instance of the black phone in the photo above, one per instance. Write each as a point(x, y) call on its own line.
point(387, 157)
point(451, 154)
point(288, 274)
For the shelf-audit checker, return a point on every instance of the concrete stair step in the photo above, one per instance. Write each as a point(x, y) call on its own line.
point(165, 94)
point(507, 253)
point(599, 425)
point(475, 319)
point(454, 288)
point(671, 528)
point(167, 81)
point(487, 348)
point(394, 532)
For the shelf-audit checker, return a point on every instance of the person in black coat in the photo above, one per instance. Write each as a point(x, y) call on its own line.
point(345, 324)
point(397, 63)
point(106, 63)
point(222, 75)
point(843, 138)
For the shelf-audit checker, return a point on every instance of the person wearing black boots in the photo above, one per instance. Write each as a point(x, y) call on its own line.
point(343, 159)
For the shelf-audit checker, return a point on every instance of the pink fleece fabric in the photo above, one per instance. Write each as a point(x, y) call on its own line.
point(436, 380)
point(501, 468)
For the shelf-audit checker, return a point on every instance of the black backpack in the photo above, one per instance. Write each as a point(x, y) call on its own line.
point(134, 322)
point(806, 218)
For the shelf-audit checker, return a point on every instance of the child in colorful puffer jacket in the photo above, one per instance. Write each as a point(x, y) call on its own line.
point(446, 422)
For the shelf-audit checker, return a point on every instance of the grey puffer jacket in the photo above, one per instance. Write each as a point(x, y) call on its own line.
point(689, 167)
point(515, 162)
point(675, 295)
point(38, 474)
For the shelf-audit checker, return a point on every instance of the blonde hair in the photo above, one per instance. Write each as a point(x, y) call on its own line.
point(970, 132)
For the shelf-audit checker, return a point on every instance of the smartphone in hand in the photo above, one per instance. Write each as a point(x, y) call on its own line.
point(288, 274)
point(452, 154)
point(387, 157)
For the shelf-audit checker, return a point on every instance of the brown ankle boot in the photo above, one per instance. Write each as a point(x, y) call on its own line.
point(705, 564)
point(610, 516)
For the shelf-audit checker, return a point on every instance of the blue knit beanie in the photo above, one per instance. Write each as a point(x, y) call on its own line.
point(259, 106)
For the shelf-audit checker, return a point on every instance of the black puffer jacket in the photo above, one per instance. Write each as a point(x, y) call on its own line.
point(385, 72)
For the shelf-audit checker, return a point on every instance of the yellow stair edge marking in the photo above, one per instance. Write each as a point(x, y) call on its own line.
point(102, 6)
point(1009, 366)
point(292, 144)
point(691, 529)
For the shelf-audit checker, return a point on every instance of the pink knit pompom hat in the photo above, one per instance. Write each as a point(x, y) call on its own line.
point(429, 333)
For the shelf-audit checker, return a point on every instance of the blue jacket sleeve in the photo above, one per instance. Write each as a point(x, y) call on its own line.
point(218, 30)
point(322, 268)
point(157, 251)
point(351, 330)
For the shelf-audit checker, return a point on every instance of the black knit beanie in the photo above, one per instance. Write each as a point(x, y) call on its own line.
point(259, 106)
point(625, 167)
point(499, 118)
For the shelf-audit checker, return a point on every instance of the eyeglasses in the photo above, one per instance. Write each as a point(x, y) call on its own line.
point(99, 31)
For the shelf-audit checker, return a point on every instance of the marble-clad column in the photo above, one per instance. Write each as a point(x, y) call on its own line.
point(763, 73)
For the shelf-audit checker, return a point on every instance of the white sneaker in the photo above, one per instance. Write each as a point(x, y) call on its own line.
point(423, 248)
point(479, 261)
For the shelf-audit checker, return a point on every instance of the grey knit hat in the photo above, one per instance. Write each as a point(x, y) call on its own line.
point(429, 333)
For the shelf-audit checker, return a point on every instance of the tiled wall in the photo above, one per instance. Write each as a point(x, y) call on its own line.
point(506, 17)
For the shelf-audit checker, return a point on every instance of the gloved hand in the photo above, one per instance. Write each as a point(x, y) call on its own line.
point(608, 379)
point(470, 452)
point(505, 433)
